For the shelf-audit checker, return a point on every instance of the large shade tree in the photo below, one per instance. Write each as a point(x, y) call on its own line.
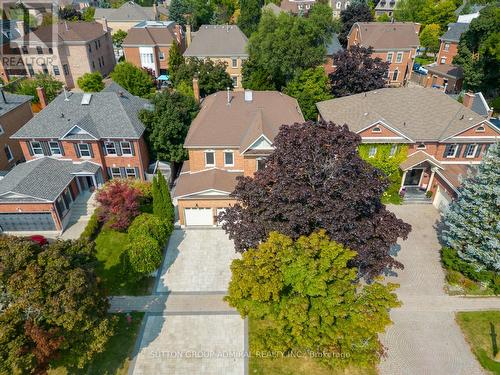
point(51, 306)
point(309, 299)
point(315, 179)
point(472, 222)
point(357, 11)
point(357, 72)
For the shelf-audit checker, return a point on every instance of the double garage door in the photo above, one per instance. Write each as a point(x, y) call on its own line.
point(200, 216)
point(41, 221)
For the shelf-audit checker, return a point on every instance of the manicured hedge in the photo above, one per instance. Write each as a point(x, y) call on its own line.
point(91, 229)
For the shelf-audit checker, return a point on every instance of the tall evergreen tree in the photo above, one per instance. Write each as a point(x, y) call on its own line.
point(166, 199)
point(472, 222)
point(175, 59)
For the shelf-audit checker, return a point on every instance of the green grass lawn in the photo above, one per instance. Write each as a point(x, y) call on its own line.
point(295, 366)
point(110, 245)
point(116, 357)
point(424, 60)
point(482, 332)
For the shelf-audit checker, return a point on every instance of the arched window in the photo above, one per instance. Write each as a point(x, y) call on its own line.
point(421, 146)
point(376, 129)
point(480, 129)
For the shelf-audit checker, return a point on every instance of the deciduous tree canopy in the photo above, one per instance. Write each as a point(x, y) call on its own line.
point(357, 11)
point(315, 179)
point(131, 78)
point(91, 82)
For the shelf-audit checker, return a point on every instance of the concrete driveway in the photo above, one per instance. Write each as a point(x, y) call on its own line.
point(425, 338)
point(188, 328)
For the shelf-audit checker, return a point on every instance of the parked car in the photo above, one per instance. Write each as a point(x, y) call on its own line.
point(417, 68)
point(39, 239)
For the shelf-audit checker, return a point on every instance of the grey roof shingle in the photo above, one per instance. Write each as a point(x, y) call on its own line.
point(42, 179)
point(13, 101)
point(455, 30)
point(218, 41)
point(111, 113)
point(129, 11)
point(479, 105)
point(420, 114)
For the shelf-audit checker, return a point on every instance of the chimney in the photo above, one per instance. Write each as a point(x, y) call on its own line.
point(105, 25)
point(248, 96)
point(417, 27)
point(188, 35)
point(229, 96)
point(40, 91)
point(468, 99)
point(196, 90)
point(178, 34)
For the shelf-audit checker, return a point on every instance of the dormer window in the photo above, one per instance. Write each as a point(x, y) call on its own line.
point(376, 129)
point(480, 129)
point(421, 146)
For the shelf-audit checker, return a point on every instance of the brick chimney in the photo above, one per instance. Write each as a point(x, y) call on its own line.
point(40, 91)
point(179, 36)
point(417, 27)
point(188, 35)
point(468, 99)
point(196, 90)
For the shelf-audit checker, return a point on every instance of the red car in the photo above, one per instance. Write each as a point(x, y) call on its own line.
point(39, 239)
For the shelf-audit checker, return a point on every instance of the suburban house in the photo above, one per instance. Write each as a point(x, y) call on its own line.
point(129, 15)
point(12, 64)
point(15, 111)
point(446, 77)
point(231, 136)
point(224, 43)
point(148, 43)
point(444, 138)
point(301, 7)
point(332, 48)
point(338, 6)
point(385, 7)
point(68, 50)
point(395, 42)
point(449, 42)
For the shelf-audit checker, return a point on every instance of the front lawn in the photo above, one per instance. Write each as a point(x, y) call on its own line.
point(110, 245)
point(116, 357)
point(260, 365)
point(424, 60)
point(482, 331)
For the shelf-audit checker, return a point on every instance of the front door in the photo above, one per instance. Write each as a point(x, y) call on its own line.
point(413, 177)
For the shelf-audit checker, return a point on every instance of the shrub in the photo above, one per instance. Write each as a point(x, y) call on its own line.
point(428, 194)
point(454, 277)
point(148, 225)
point(91, 82)
point(119, 202)
point(144, 255)
point(145, 188)
point(91, 228)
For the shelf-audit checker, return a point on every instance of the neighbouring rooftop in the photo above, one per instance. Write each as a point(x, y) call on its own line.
point(218, 41)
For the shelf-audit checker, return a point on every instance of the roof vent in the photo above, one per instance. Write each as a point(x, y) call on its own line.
point(86, 98)
point(248, 95)
point(470, 118)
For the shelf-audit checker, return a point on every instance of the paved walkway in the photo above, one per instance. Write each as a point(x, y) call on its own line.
point(425, 338)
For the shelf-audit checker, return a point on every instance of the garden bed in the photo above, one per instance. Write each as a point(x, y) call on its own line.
point(116, 357)
point(482, 330)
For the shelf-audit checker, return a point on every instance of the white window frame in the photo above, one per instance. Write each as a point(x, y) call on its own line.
point(470, 147)
point(206, 161)
point(391, 54)
point(84, 151)
point(443, 60)
point(232, 158)
point(7, 147)
point(453, 147)
point(338, 5)
point(419, 146)
point(55, 148)
point(128, 146)
point(116, 175)
point(257, 163)
point(395, 78)
point(110, 146)
point(447, 47)
point(399, 57)
point(376, 129)
point(234, 62)
point(3, 131)
point(394, 150)
point(372, 152)
point(35, 148)
point(129, 174)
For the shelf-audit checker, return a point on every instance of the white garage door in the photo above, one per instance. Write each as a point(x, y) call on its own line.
point(442, 199)
point(198, 216)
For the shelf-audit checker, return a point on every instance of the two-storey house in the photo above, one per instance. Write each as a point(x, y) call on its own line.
point(385, 7)
point(220, 43)
point(443, 142)
point(68, 50)
point(395, 42)
point(148, 43)
point(230, 137)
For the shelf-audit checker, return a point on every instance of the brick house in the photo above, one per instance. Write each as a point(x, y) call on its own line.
point(225, 43)
point(449, 42)
point(15, 111)
point(231, 136)
point(68, 50)
point(445, 139)
point(395, 42)
point(385, 7)
point(148, 43)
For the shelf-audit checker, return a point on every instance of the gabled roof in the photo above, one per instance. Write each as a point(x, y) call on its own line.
point(214, 180)
point(454, 173)
point(149, 35)
point(240, 123)
point(455, 30)
point(41, 179)
point(387, 35)
point(128, 12)
point(218, 41)
point(111, 113)
point(13, 101)
point(417, 158)
point(420, 114)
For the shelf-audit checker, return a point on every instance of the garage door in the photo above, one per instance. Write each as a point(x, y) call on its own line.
point(441, 200)
point(27, 222)
point(198, 216)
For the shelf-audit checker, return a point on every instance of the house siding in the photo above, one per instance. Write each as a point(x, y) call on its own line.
point(448, 55)
point(11, 122)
